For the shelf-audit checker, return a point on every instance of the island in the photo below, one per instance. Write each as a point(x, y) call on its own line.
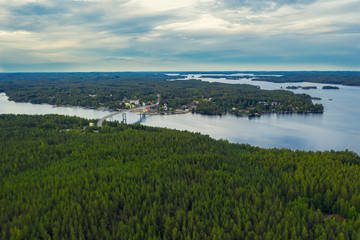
point(316, 98)
point(227, 77)
point(301, 87)
point(330, 87)
point(119, 91)
point(309, 87)
point(348, 78)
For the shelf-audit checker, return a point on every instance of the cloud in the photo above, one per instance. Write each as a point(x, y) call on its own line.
point(260, 5)
point(153, 34)
point(109, 59)
point(36, 9)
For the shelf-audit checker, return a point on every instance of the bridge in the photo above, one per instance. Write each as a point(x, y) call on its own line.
point(124, 111)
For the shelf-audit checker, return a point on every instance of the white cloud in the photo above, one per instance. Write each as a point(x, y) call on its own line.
point(318, 17)
point(163, 5)
point(205, 22)
point(153, 31)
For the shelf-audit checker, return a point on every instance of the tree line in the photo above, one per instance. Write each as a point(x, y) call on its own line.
point(61, 179)
point(109, 90)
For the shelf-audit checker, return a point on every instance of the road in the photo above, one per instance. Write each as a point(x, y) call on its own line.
point(100, 122)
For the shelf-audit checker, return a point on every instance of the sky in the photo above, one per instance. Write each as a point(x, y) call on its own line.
point(179, 35)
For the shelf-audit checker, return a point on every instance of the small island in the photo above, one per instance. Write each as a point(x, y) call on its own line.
point(301, 87)
point(309, 87)
point(316, 98)
point(330, 87)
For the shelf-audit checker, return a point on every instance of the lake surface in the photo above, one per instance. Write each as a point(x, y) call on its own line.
point(338, 128)
point(7, 106)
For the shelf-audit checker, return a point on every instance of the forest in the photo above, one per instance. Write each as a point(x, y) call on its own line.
point(348, 78)
point(61, 179)
point(344, 78)
point(108, 90)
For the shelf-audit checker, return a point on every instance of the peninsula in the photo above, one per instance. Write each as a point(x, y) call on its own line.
point(121, 91)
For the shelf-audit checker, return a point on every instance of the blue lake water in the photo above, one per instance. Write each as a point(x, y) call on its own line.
point(10, 107)
point(338, 128)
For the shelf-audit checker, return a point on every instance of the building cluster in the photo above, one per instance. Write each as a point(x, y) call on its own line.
point(133, 103)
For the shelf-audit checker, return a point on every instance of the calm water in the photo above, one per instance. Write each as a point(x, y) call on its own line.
point(7, 106)
point(338, 128)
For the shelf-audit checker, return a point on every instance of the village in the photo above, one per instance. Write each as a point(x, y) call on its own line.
point(159, 110)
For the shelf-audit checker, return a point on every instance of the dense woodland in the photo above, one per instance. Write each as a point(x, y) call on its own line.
point(110, 89)
point(339, 77)
point(61, 181)
point(344, 78)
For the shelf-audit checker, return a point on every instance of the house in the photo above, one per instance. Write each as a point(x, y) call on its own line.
point(135, 102)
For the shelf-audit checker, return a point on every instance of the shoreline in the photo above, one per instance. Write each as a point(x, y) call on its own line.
point(176, 112)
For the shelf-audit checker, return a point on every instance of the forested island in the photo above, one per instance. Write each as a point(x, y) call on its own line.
point(62, 179)
point(348, 78)
point(301, 87)
point(119, 90)
point(330, 87)
point(343, 78)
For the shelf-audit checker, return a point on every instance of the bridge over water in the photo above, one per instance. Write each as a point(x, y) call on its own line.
point(100, 122)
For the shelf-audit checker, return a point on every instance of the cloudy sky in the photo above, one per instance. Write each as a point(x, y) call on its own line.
point(155, 35)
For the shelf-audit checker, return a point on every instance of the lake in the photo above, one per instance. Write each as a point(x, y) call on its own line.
point(338, 128)
point(7, 106)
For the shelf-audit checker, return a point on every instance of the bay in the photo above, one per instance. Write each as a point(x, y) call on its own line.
point(10, 107)
point(338, 128)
